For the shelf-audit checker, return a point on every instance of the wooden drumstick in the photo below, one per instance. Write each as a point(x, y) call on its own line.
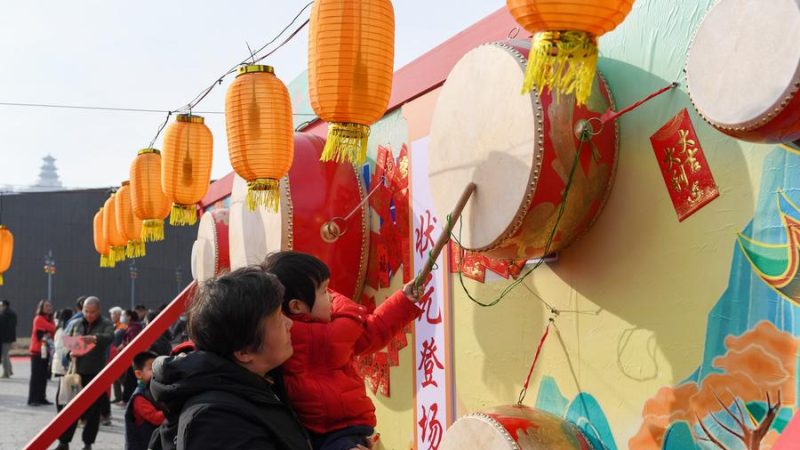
point(445, 236)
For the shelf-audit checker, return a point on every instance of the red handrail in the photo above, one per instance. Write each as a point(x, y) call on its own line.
point(111, 372)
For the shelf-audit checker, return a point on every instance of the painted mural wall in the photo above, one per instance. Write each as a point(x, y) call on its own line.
point(668, 333)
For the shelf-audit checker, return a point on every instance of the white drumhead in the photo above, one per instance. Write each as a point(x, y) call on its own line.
point(203, 260)
point(744, 60)
point(476, 433)
point(239, 189)
point(483, 131)
point(205, 250)
point(252, 234)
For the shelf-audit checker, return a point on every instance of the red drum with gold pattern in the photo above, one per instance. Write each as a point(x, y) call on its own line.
point(312, 194)
point(513, 428)
point(210, 255)
point(743, 69)
point(518, 150)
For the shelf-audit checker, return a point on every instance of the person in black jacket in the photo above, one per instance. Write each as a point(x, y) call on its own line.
point(8, 335)
point(220, 396)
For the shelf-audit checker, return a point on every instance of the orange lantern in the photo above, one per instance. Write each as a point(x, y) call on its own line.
point(100, 243)
point(350, 67)
point(6, 250)
point(149, 203)
point(258, 116)
point(563, 54)
point(128, 224)
point(186, 166)
point(111, 232)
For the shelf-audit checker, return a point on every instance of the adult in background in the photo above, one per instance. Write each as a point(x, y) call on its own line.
point(133, 330)
point(43, 330)
point(141, 310)
point(220, 396)
point(161, 346)
point(8, 335)
point(115, 314)
point(77, 316)
point(60, 362)
point(95, 329)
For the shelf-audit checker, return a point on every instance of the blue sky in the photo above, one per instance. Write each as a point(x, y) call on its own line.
point(153, 55)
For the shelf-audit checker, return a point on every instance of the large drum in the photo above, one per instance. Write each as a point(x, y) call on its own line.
point(519, 150)
point(513, 428)
point(312, 194)
point(210, 255)
point(743, 69)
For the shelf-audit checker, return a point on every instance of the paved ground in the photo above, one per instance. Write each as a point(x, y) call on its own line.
point(19, 423)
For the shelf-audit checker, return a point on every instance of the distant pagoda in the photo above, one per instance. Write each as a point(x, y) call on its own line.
point(48, 177)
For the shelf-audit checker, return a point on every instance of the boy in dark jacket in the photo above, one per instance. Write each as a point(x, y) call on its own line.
point(142, 416)
point(329, 330)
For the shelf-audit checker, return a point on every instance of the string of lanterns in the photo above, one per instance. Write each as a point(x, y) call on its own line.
point(350, 70)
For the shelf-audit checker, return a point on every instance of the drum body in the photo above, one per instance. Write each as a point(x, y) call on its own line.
point(743, 69)
point(210, 255)
point(313, 193)
point(513, 428)
point(519, 150)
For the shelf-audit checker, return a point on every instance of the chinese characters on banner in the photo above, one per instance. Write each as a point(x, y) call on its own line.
point(432, 366)
point(683, 165)
point(390, 250)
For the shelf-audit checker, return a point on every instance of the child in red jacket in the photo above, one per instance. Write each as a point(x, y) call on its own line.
point(328, 331)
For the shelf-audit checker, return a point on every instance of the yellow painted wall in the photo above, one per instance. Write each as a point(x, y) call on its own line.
point(636, 291)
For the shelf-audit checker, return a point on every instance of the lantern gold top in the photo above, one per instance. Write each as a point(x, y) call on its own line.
point(189, 118)
point(125, 183)
point(145, 151)
point(252, 68)
point(3, 227)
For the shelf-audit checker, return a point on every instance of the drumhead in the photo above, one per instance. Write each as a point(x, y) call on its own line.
point(203, 260)
point(477, 432)
point(484, 131)
point(744, 61)
point(253, 234)
point(208, 255)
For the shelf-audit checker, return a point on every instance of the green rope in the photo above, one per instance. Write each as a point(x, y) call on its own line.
point(584, 137)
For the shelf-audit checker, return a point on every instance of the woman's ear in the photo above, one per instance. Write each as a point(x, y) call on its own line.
point(243, 357)
point(298, 307)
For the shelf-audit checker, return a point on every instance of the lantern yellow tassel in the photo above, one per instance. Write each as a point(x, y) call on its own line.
point(117, 254)
point(183, 215)
point(346, 142)
point(264, 192)
point(153, 230)
point(106, 261)
point(564, 61)
point(135, 249)
point(1, 279)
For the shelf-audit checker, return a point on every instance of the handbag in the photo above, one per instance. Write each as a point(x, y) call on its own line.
point(70, 385)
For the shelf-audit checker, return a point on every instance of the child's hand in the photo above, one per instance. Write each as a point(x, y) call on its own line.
point(411, 293)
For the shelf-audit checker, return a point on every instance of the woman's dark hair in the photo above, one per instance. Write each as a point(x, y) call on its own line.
point(300, 273)
point(228, 312)
point(63, 317)
point(40, 307)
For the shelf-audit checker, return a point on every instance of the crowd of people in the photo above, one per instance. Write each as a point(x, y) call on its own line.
point(264, 358)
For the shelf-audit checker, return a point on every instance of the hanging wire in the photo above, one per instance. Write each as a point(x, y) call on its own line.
point(218, 81)
point(584, 137)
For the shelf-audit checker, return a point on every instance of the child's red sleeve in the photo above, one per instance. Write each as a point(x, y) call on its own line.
point(144, 410)
point(388, 319)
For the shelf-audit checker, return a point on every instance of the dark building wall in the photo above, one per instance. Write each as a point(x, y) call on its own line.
point(62, 222)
